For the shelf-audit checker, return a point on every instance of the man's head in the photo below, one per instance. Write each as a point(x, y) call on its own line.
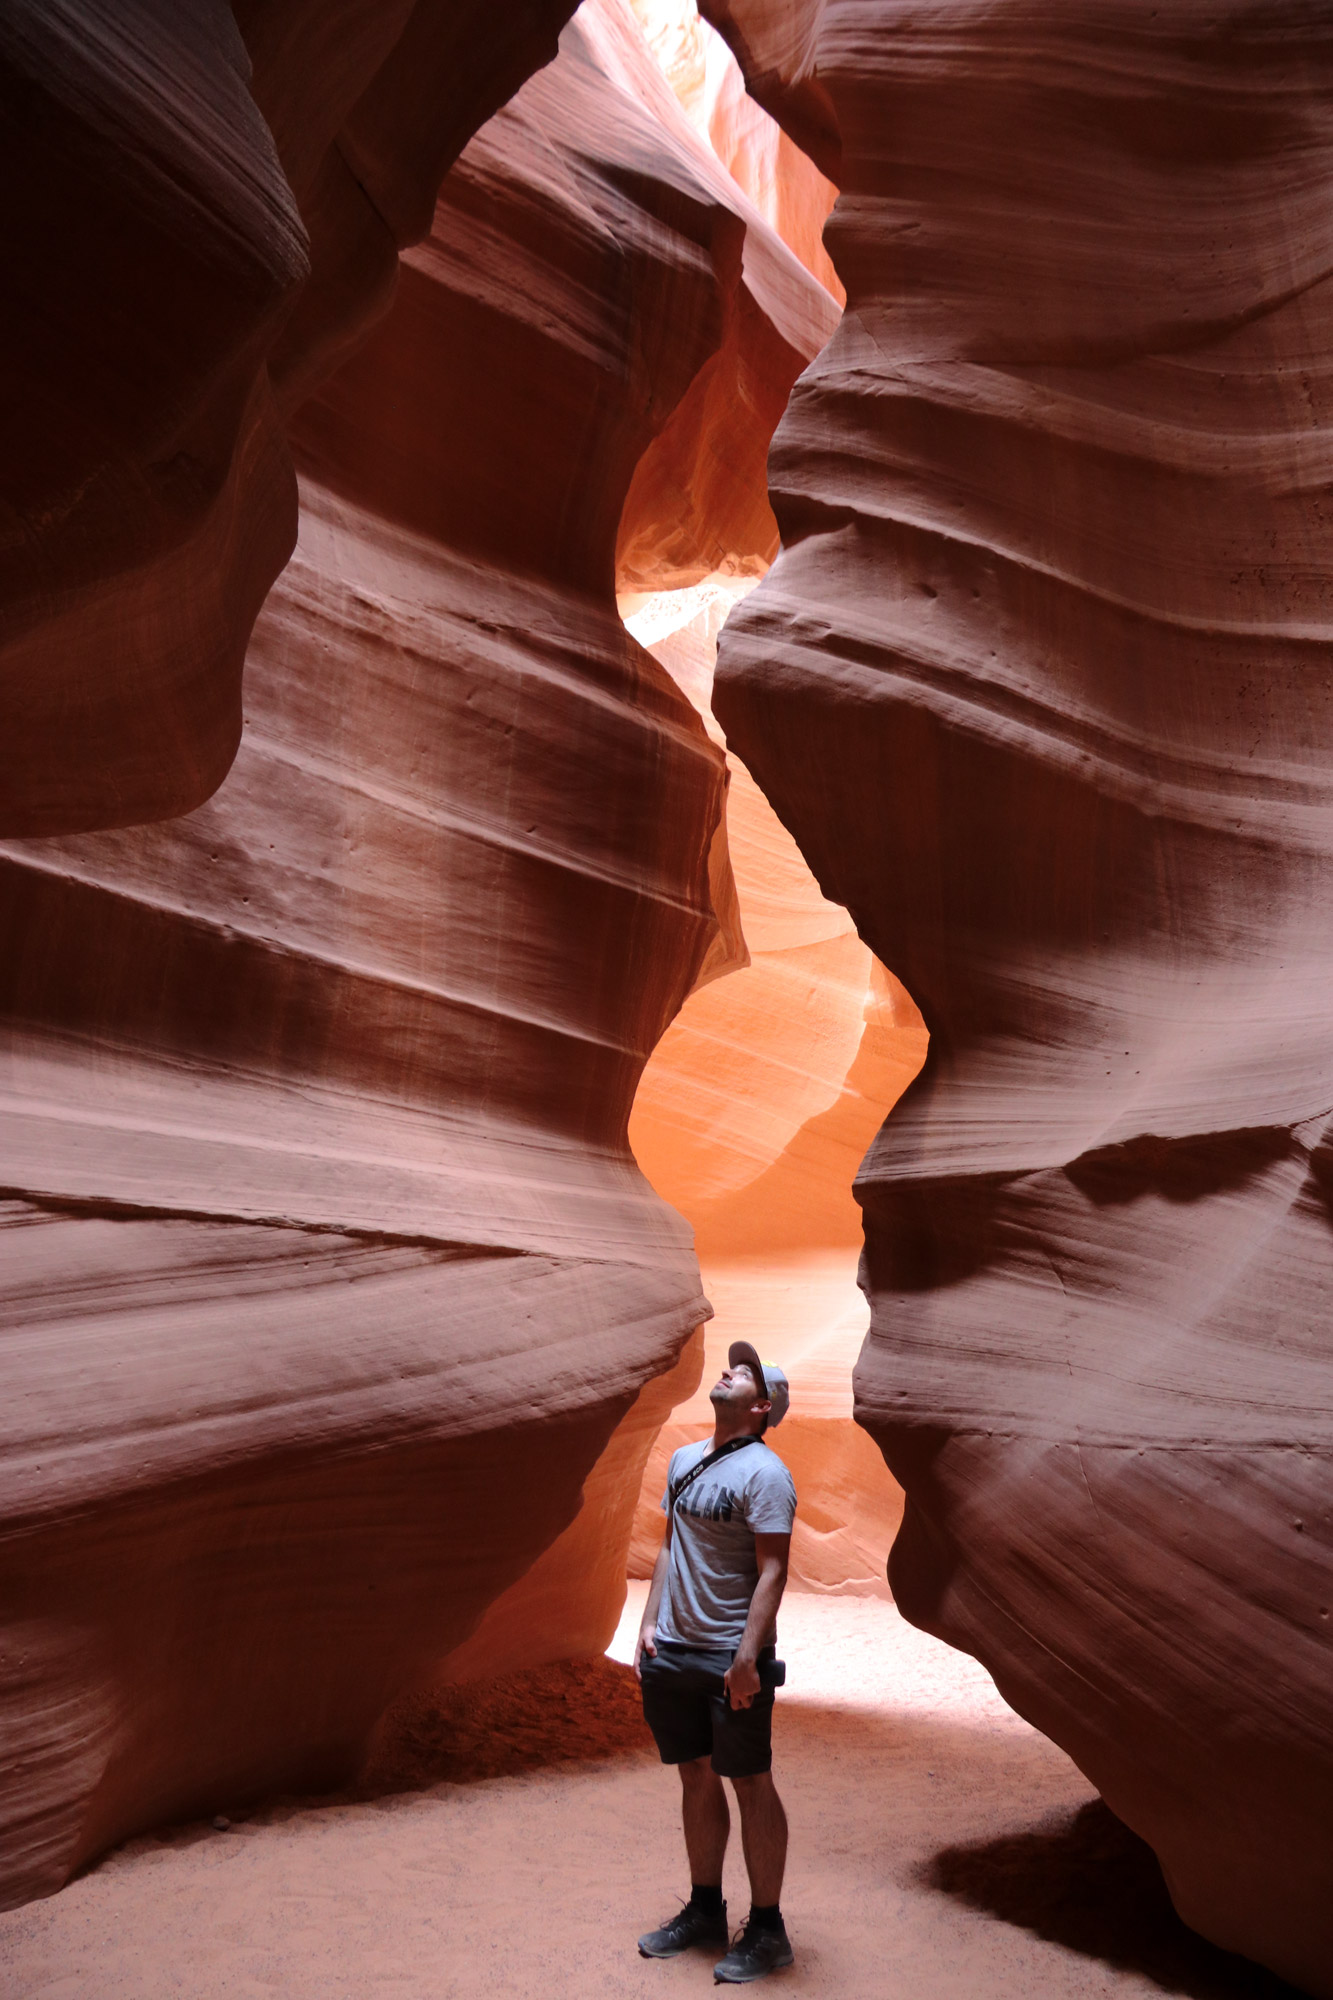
point(749, 1396)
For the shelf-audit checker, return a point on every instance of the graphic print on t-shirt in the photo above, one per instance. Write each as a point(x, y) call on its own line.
point(719, 1508)
point(711, 1568)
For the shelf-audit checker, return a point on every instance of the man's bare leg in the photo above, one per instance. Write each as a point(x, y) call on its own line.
point(707, 1822)
point(763, 1837)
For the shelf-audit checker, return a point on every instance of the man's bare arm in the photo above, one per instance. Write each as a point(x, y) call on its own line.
point(772, 1553)
point(647, 1641)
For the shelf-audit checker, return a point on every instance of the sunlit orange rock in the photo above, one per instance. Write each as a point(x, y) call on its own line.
point(329, 1275)
point(781, 180)
point(776, 44)
point(751, 1118)
point(698, 501)
point(1040, 683)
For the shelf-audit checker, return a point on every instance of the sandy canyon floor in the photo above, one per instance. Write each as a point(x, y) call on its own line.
point(518, 1838)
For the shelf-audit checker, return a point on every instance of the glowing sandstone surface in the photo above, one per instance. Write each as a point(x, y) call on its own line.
point(755, 1110)
point(789, 191)
point(1052, 620)
point(328, 1272)
point(752, 1117)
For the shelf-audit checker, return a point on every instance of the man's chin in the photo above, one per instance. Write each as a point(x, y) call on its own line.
point(717, 1395)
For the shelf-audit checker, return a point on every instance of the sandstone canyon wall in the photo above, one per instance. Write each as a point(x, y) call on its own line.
point(207, 204)
point(328, 1272)
point(782, 181)
point(1040, 683)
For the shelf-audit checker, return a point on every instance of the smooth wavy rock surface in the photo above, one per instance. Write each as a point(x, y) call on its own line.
point(328, 1273)
point(205, 211)
point(1040, 684)
point(698, 502)
point(776, 45)
point(782, 181)
point(753, 1114)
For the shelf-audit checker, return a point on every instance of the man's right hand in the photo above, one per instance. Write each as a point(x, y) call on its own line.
point(647, 1644)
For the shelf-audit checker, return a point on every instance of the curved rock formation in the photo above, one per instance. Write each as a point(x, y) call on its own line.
point(1040, 684)
point(328, 1270)
point(199, 225)
point(567, 1606)
point(777, 49)
point(698, 503)
point(752, 1117)
point(782, 181)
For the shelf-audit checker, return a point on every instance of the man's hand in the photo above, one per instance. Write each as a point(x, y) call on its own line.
point(742, 1682)
point(742, 1676)
point(647, 1644)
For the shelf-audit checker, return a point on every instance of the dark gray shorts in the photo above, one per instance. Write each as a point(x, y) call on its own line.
point(685, 1705)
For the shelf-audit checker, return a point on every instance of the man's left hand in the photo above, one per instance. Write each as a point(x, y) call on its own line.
point(742, 1682)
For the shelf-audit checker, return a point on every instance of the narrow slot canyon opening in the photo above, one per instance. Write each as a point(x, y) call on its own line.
point(763, 1094)
point(751, 1119)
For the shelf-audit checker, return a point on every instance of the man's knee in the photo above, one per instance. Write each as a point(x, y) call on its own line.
point(697, 1774)
point(757, 1788)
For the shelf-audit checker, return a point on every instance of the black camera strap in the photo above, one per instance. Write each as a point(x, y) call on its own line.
point(697, 1471)
point(772, 1673)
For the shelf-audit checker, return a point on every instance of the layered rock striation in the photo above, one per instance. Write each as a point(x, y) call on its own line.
point(1039, 682)
point(207, 207)
point(328, 1272)
point(782, 181)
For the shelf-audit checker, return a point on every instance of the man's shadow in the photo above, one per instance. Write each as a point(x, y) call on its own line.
point(1091, 1885)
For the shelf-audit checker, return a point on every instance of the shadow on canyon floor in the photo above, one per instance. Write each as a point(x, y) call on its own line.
point(567, 1712)
point(1091, 1885)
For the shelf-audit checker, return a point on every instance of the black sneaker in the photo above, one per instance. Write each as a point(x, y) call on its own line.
point(755, 1954)
point(689, 1926)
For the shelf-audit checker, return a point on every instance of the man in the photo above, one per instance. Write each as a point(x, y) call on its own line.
point(709, 1626)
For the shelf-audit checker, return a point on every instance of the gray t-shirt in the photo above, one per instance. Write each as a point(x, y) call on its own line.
point(711, 1570)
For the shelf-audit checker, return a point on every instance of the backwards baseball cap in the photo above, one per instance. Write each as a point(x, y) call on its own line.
point(771, 1380)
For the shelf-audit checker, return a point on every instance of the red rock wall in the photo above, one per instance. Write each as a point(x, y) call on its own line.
point(1040, 684)
point(202, 219)
point(567, 1606)
point(328, 1271)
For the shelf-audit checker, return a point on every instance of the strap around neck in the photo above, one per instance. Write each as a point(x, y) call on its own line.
point(710, 1458)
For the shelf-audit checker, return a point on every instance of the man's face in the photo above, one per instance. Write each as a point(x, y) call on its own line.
point(738, 1388)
